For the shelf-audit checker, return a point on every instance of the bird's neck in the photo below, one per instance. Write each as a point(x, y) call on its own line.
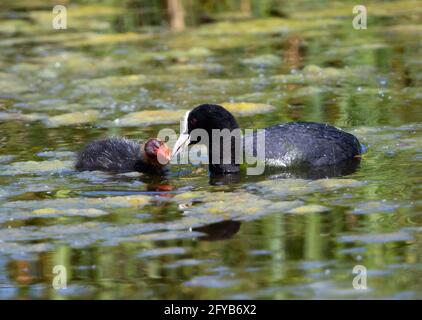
point(220, 161)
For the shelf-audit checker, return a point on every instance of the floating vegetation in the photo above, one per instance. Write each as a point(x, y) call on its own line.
point(148, 117)
point(218, 206)
point(111, 82)
point(187, 235)
point(107, 39)
point(51, 212)
point(298, 187)
point(85, 207)
point(6, 158)
point(175, 55)
point(12, 84)
point(36, 167)
point(197, 67)
point(312, 208)
point(56, 154)
point(74, 118)
point(25, 117)
point(264, 61)
point(265, 26)
point(246, 108)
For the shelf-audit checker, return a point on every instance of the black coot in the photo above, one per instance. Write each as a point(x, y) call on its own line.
point(123, 155)
point(290, 145)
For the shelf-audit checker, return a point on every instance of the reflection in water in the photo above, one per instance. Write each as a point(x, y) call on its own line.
point(294, 52)
point(344, 168)
point(21, 272)
point(157, 183)
point(176, 15)
point(224, 179)
point(219, 231)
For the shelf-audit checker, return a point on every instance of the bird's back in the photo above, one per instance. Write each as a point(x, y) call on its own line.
point(111, 154)
point(307, 144)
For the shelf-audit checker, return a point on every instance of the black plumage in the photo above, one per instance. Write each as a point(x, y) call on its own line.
point(308, 144)
point(115, 155)
point(290, 145)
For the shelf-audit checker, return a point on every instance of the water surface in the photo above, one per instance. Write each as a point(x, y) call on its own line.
point(135, 237)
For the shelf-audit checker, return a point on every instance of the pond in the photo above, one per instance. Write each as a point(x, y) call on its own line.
point(130, 236)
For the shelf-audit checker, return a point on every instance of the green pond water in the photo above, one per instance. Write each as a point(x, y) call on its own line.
point(130, 236)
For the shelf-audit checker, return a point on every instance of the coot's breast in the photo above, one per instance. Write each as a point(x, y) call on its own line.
point(112, 154)
point(306, 144)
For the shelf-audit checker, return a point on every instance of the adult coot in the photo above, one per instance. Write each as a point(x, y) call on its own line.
point(124, 155)
point(290, 145)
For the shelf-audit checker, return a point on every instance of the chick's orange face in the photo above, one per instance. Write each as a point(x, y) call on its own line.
point(157, 151)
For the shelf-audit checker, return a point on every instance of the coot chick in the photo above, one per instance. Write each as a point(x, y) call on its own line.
point(123, 155)
point(290, 145)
